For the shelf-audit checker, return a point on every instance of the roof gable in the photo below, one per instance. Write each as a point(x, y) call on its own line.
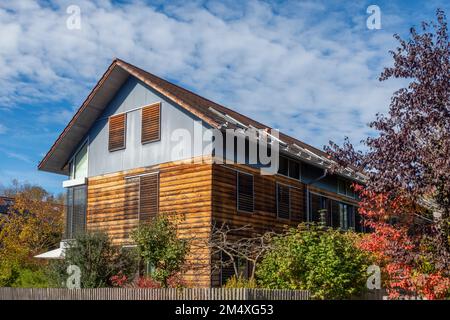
point(216, 115)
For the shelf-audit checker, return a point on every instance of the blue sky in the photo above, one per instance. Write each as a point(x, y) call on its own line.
point(309, 68)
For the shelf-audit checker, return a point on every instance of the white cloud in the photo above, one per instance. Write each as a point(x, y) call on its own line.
point(305, 70)
point(3, 128)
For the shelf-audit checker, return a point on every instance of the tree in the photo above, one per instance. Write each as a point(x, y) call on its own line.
point(98, 259)
point(227, 241)
point(161, 250)
point(406, 196)
point(327, 262)
point(34, 224)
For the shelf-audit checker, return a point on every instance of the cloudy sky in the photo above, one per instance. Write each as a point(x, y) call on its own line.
point(309, 68)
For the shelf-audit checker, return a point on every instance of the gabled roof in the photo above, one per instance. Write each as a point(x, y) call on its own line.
point(216, 115)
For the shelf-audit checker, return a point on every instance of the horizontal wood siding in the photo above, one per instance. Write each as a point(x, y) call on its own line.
point(185, 197)
point(115, 200)
point(264, 218)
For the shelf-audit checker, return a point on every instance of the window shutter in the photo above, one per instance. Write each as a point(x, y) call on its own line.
point(283, 201)
point(245, 192)
point(151, 123)
point(148, 197)
point(117, 127)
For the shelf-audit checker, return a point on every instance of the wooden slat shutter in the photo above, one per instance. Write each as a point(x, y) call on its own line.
point(117, 128)
point(265, 196)
point(283, 201)
point(148, 197)
point(297, 205)
point(245, 192)
point(151, 123)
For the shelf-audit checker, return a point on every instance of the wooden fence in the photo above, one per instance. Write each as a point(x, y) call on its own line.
point(151, 294)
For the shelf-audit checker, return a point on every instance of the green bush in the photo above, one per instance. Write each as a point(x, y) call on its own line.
point(327, 262)
point(97, 259)
point(28, 278)
point(163, 253)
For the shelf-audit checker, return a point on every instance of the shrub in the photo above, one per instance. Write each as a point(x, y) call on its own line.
point(327, 262)
point(240, 282)
point(29, 278)
point(97, 259)
point(161, 250)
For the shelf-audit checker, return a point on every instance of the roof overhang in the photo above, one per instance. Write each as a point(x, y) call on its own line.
point(59, 154)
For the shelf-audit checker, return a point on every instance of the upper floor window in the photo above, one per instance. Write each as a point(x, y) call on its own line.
point(151, 123)
point(245, 194)
point(79, 164)
point(117, 132)
point(345, 188)
point(288, 167)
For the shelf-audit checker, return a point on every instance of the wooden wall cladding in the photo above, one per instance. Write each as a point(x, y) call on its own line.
point(185, 193)
point(185, 197)
point(194, 196)
point(264, 218)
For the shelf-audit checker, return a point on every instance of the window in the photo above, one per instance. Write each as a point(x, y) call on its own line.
point(346, 216)
point(227, 267)
point(75, 211)
point(345, 188)
point(294, 169)
point(283, 166)
point(117, 129)
point(320, 209)
point(79, 165)
point(289, 168)
point(283, 201)
point(151, 123)
point(148, 197)
point(245, 193)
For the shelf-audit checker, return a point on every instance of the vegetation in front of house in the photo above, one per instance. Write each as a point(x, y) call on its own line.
point(327, 262)
point(98, 259)
point(33, 225)
point(162, 252)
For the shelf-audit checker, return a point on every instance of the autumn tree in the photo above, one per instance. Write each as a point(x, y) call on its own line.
point(406, 197)
point(34, 224)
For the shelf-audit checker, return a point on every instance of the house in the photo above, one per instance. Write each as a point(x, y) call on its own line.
point(140, 145)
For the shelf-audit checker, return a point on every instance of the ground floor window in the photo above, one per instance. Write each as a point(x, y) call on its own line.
point(75, 211)
point(227, 268)
point(334, 213)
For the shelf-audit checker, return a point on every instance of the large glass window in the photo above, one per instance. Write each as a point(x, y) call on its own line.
point(75, 211)
point(79, 165)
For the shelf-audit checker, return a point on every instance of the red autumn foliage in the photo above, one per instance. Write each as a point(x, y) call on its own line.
point(406, 195)
point(397, 249)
